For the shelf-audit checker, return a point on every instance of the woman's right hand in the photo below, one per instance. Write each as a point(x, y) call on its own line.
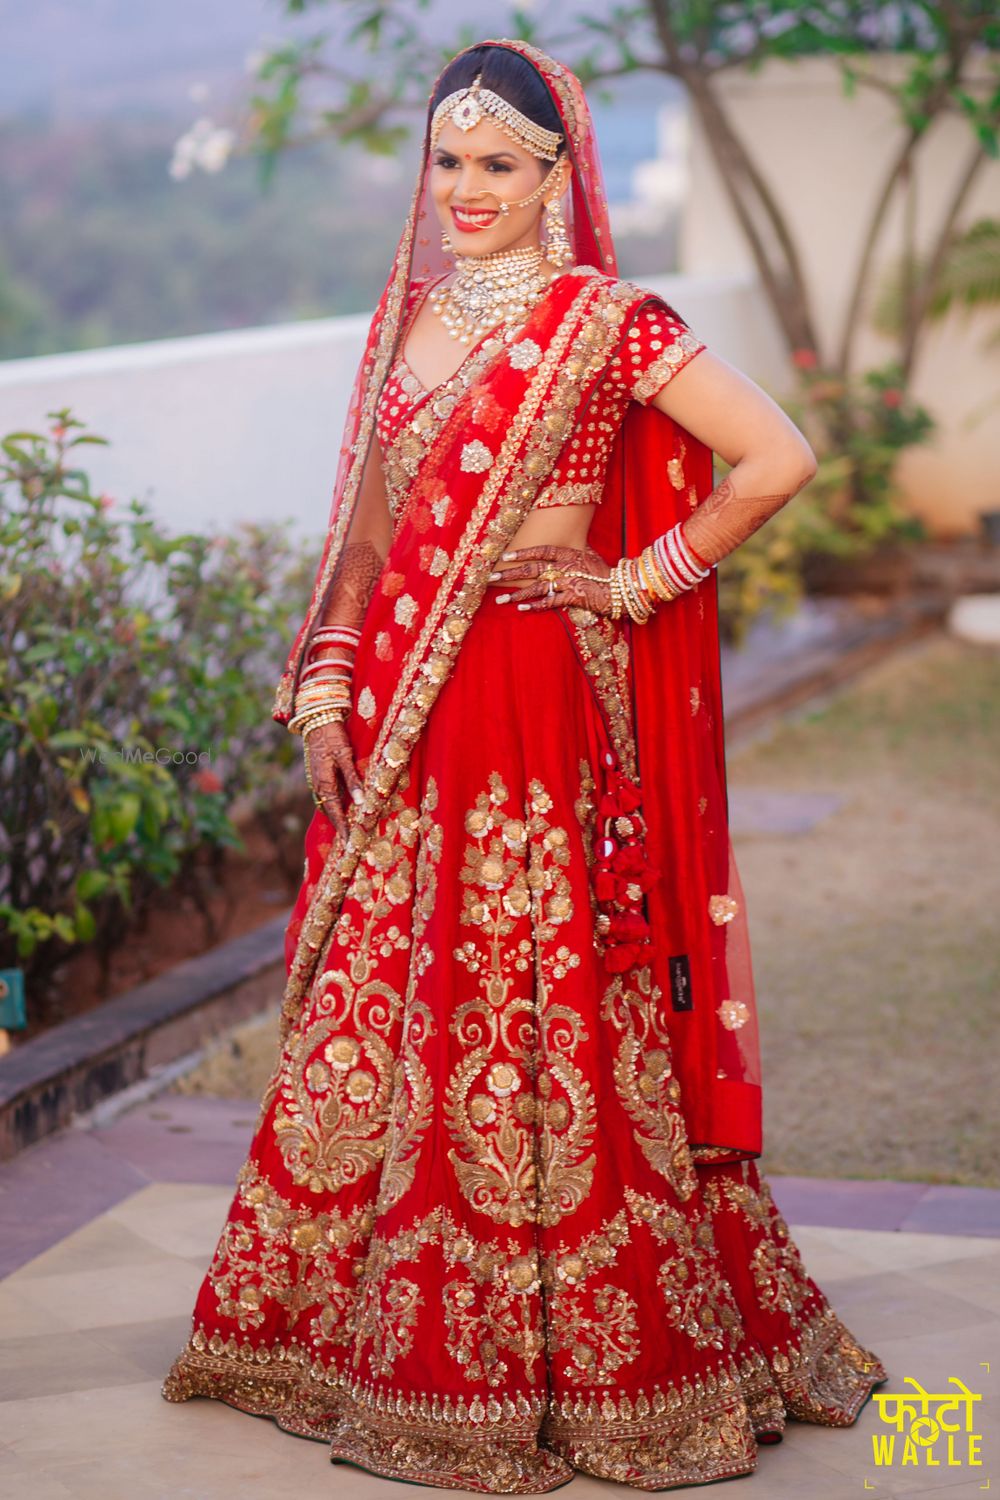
point(331, 766)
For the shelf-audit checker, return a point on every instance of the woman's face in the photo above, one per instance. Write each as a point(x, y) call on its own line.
point(472, 172)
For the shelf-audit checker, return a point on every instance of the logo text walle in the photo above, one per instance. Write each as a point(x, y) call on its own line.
point(930, 1429)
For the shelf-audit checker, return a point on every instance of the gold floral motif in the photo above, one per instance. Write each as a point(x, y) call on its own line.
point(525, 354)
point(722, 909)
point(491, 1307)
point(343, 1100)
point(405, 610)
point(645, 1080)
point(475, 457)
point(698, 1299)
point(782, 1282)
point(733, 1014)
point(666, 366)
point(572, 493)
point(521, 1122)
point(604, 652)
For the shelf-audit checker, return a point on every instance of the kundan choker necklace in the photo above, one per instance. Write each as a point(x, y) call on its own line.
point(490, 289)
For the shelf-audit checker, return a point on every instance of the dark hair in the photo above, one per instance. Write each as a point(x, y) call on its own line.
point(508, 74)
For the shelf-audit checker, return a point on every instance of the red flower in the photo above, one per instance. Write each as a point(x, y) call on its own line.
point(805, 359)
point(892, 397)
point(207, 781)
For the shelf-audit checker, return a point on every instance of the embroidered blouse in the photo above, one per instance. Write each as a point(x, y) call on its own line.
point(657, 344)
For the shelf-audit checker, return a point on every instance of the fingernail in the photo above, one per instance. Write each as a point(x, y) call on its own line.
point(507, 556)
point(502, 598)
point(495, 576)
point(358, 794)
point(524, 606)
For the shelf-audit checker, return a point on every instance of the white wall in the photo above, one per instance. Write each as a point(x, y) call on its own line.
point(824, 157)
point(237, 426)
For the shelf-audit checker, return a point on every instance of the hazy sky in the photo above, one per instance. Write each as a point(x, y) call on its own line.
point(79, 58)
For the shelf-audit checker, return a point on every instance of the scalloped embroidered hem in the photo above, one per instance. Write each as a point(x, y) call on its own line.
point(698, 1436)
point(829, 1376)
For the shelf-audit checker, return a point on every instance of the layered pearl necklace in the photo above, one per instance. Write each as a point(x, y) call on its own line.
point(490, 289)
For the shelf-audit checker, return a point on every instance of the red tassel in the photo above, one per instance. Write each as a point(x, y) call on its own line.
point(621, 875)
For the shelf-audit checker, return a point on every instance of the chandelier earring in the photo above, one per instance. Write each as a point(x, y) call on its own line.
point(446, 244)
point(557, 246)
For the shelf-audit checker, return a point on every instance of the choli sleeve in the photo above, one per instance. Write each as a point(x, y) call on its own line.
point(656, 345)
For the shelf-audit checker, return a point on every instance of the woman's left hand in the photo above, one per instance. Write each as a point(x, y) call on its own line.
point(542, 577)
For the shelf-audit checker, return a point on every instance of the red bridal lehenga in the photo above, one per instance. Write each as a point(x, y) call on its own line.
point(500, 1219)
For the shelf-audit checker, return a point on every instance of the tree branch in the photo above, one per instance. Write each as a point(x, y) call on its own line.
point(917, 324)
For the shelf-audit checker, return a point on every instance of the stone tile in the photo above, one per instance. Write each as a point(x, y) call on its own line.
point(974, 1278)
point(956, 1210)
point(130, 1444)
point(903, 1252)
point(21, 1318)
point(101, 1245)
point(965, 1489)
point(932, 1358)
point(158, 1287)
point(20, 1481)
point(829, 1254)
point(54, 1364)
point(876, 1307)
point(847, 1451)
point(54, 1188)
point(846, 1203)
point(177, 1138)
point(183, 1219)
point(796, 1470)
point(151, 1346)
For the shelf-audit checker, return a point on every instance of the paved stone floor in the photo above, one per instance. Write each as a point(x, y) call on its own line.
point(106, 1232)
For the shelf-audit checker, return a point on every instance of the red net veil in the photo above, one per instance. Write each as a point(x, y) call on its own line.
point(657, 474)
point(419, 255)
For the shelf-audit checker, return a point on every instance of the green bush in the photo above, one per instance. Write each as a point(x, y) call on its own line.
point(136, 675)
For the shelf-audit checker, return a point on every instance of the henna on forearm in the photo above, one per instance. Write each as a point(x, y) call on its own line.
point(725, 519)
point(355, 580)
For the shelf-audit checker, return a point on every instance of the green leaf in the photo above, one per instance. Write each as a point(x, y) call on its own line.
point(90, 884)
point(86, 927)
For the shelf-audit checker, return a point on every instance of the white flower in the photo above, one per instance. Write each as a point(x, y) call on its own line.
point(206, 145)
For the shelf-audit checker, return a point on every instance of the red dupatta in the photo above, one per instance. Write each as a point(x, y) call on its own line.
point(475, 485)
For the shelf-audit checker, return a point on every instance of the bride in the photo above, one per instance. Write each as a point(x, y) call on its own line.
point(501, 1218)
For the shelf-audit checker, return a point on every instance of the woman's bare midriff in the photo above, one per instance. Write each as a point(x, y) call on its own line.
point(557, 525)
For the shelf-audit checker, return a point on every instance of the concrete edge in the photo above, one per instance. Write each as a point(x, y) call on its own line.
point(54, 1077)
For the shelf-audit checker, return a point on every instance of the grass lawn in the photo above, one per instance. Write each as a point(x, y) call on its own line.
point(875, 937)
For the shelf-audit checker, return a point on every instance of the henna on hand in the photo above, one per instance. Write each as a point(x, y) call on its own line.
point(331, 766)
point(526, 565)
